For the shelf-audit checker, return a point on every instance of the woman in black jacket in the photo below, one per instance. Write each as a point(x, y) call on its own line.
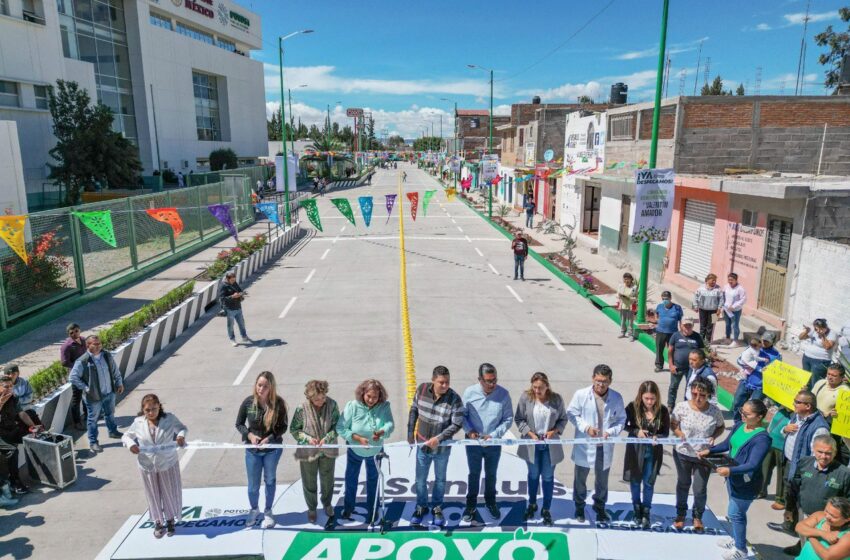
point(646, 417)
point(262, 419)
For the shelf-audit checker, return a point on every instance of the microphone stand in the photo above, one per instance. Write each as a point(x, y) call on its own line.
point(380, 494)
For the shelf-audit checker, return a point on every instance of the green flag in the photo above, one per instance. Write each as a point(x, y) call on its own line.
point(100, 223)
point(345, 208)
point(312, 210)
point(426, 200)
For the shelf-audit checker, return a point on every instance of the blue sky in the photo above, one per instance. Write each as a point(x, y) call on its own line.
point(399, 59)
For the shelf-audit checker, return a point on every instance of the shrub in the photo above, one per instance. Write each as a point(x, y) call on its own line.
point(223, 157)
point(46, 272)
point(226, 260)
point(47, 380)
point(169, 177)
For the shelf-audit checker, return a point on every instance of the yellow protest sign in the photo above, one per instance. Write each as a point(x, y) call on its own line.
point(783, 381)
point(841, 423)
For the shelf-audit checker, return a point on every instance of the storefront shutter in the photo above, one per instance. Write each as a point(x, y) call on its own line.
point(697, 239)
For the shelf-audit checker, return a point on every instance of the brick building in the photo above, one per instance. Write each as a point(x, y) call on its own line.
point(473, 131)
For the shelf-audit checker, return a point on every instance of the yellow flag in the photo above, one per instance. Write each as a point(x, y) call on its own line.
point(450, 194)
point(841, 423)
point(783, 381)
point(12, 232)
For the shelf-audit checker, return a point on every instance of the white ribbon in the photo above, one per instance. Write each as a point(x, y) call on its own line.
point(452, 443)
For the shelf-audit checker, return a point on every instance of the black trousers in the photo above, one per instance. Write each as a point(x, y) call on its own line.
point(706, 324)
point(661, 340)
point(76, 405)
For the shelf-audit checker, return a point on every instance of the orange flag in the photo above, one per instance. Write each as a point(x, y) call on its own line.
point(413, 197)
point(168, 216)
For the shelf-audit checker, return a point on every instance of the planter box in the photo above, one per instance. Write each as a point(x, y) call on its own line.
point(130, 356)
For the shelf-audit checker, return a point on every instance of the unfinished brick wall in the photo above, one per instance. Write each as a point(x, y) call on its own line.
point(803, 114)
point(717, 115)
point(666, 124)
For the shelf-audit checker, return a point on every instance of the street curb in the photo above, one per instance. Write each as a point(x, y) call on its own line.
point(724, 397)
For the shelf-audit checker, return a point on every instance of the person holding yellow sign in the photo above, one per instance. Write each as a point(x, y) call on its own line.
point(826, 390)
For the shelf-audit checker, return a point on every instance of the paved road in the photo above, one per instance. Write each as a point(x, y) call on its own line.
point(340, 294)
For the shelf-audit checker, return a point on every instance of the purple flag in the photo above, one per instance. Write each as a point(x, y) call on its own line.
point(390, 204)
point(222, 214)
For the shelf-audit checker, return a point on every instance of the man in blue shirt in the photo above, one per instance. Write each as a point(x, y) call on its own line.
point(97, 375)
point(487, 414)
point(669, 314)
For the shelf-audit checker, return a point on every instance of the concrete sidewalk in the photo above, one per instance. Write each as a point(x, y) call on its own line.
point(40, 347)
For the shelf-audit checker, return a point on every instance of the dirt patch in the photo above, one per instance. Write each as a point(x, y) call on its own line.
point(583, 276)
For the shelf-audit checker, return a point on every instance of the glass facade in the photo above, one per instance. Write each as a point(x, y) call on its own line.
point(8, 94)
point(40, 96)
point(161, 21)
point(206, 106)
point(195, 33)
point(95, 31)
point(226, 45)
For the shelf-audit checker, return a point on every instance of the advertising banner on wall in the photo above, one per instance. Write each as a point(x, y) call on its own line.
point(654, 191)
point(292, 165)
point(489, 170)
point(530, 153)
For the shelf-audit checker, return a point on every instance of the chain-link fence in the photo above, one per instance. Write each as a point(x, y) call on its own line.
point(66, 257)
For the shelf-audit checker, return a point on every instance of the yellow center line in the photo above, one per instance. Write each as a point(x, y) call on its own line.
point(409, 366)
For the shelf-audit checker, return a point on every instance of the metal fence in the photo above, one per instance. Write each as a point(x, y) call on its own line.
point(66, 258)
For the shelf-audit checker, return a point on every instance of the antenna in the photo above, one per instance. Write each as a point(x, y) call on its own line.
point(682, 76)
point(782, 88)
point(707, 74)
point(757, 88)
point(667, 76)
point(801, 63)
point(699, 59)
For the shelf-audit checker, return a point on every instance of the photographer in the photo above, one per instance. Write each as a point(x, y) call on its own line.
point(231, 296)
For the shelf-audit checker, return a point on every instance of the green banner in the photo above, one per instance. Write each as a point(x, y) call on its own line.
point(345, 208)
point(309, 205)
point(426, 200)
point(100, 223)
point(417, 545)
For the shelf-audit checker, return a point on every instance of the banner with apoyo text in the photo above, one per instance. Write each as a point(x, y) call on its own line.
point(654, 190)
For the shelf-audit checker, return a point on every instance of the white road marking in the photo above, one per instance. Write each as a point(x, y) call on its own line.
point(287, 308)
point(310, 276)
point(460, 229)
point(247, 368)
point(551, 337)
point(342, 229)
point(325, 254)
point(335, 240)
point(467, 238)
point(184, 460)
point(480, 254)
point(453, 221)
point(493, 268)
point(513, 292)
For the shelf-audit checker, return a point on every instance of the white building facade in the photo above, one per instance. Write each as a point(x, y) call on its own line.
point(177, 75)
point(584, 157)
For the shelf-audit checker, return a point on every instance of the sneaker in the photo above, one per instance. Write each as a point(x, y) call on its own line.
point(732, 344)
point(115, 435)
point(253, 515)
point(735, 554)
point(233, 343)
point(95, 448)
point(169, 528)
point(530, 511)
point(418, 515)
point(622, 335)
point(657, 369)
point(268, 519)
point(728, 544)
point(547, 517)
point(329, 511)
point(601, 515)
point(18, 487)
point(468, 514)
point(158, 531)
point(494, 511)
point(580, 516)
point(247, 340)
point(439, 519)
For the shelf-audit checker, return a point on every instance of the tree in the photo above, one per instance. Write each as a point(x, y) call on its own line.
point(740, 90)
point(371, 143)
point(87, 152)
point(584, 99)
point(427, 143)
point(273, 126)
point(716, 88)
point(223, 158)
point(395, 141)
point(838, 44)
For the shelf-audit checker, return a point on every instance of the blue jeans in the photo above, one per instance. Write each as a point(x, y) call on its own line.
point(737, 514)
point(646, 479)
point(352, 475)
point(542, 467)
point(490, 456)
point(235, 315)
point(423, 464)
point(93, 408)
point(529, 220)
point(261, 465)
point(519, 266)
point(742, 395)
point(733, 324)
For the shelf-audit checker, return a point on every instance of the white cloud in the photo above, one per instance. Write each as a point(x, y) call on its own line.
point(502, 110)
point(596, 89)
point(799, 17)
point(324, 78)
point(763, 27)
point(653, 52)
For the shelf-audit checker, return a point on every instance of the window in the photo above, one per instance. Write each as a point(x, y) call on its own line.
point(749, 218)
point(622, 127)
point(207, 120)
point(194, 33)
point(40, 96)
point(161, 21)
point(4, 7)
point(590, 131)
point(227, 45)
point(8, 94)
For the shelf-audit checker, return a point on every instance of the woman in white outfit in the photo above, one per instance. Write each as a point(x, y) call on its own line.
point(160, 469)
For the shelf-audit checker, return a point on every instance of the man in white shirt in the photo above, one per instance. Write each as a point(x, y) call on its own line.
point(596, 412)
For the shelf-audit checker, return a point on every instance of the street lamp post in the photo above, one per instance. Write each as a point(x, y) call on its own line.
point(287, 218)
point(490, 141)
point(291, 120)
point(454, 150)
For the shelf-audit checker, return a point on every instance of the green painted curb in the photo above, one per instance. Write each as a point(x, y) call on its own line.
point(724, 397)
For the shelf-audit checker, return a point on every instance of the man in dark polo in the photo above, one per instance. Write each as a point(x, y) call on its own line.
point(818, 477)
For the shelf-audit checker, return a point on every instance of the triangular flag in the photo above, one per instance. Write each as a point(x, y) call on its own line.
point(12, 232)
point(222, 214)
point(344, 207)
point(312, 210)
point(413, 197)
point(167, 216)
point(496, 180)
point(270, 210)
point(366, 208)
point(426, 200)
point(390, 204)
point(100, 223)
